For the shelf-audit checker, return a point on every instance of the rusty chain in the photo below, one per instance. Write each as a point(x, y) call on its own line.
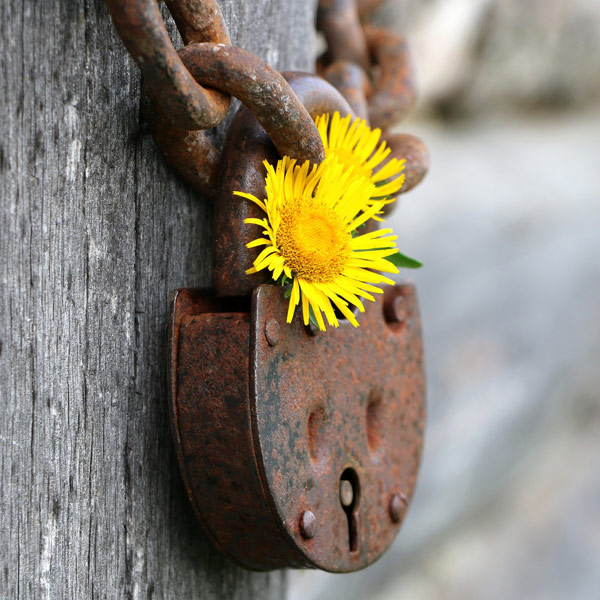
point(239, 380)
point(372, 68)
point(188, 90)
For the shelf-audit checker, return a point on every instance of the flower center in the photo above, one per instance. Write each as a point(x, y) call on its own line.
point(313, 240)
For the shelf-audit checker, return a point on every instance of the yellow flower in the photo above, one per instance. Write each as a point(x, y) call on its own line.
point(354, 144)
point(311, 216)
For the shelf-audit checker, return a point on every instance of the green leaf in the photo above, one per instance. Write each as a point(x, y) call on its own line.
point(356, 231)
point(312, 319)
point(283, 280)
point(402, 261)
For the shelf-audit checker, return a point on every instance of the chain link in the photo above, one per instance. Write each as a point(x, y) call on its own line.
point(166, 78)
point(373, 69)
point(189, 90)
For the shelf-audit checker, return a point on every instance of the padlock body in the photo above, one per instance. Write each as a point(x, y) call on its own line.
point(271, 418)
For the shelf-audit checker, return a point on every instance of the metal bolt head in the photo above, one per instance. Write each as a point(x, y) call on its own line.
point(396, 310)
point(346, 493)
point(272, 332)
point(397, 507)
point(308, 524)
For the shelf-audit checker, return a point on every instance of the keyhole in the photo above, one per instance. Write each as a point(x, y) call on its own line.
point(349, 498)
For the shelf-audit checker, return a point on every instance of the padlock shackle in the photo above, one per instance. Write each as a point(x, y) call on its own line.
point(317, 95)
point(246, 147)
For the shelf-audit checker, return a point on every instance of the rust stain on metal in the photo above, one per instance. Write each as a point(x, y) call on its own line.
point(340, 23)
point(414, 151)
point(352, 82)
point(189, 152)
point(143, 31)
point(189, 90)
point(266, 434)
point(394, 91)
point(199, 21)
point(263, 90)
point(373, 70)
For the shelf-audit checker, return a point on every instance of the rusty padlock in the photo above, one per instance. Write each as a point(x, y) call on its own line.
point(298, 448)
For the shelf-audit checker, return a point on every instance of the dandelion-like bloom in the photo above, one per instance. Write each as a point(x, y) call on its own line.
point(310, 223)
point(355, 145)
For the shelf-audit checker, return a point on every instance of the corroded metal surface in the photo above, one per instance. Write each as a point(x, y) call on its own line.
point(340, 23)
point(188, 151)
point(373, 70)
point(263, 90)
point(246, 146)
point(143, 31)
point(189, 90)
point(266, 432)
point(393, 92)
point(414, 151)
point(383, 55)
point(199, 21)
point(266, 94)
point(210, 418)
point(351, 399)
point(352, 82)
point(175, 105)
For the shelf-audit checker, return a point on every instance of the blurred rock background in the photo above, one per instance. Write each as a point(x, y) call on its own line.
point(475, 56)
point(506, 223)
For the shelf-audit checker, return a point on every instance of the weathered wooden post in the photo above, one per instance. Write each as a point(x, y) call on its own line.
point(95, 231)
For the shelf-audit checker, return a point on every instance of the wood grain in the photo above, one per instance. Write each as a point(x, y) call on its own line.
point(95, 231)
